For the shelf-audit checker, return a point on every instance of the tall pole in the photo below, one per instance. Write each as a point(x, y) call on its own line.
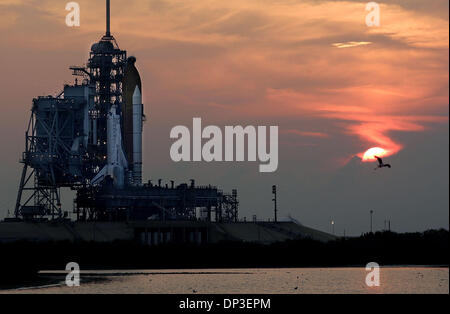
point(371, 220)
point(108, 28)
point(332, 226)
point(274, 192)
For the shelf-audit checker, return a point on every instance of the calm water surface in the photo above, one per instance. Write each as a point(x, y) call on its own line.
point(252, 281)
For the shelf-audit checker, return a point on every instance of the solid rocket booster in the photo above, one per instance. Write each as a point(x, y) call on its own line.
point(132, 117)
point(116, 162)
point(137, 136)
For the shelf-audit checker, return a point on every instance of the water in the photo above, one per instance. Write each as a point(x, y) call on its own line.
point(252, 281)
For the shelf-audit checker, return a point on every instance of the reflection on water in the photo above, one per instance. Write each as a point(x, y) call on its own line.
point(253, 281)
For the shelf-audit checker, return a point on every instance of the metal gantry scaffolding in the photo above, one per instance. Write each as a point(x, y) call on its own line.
point(156, 202)
point(50, 160)
point(67, 146)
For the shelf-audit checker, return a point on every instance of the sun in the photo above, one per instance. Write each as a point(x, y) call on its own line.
point(370, 154)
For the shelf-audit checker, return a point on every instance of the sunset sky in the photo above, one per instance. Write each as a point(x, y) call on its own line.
point(334, 86)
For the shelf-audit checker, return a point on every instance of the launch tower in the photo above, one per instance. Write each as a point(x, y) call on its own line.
point(89, 139)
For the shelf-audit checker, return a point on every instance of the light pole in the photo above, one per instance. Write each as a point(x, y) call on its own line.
point(332, 226)
point(274, 192)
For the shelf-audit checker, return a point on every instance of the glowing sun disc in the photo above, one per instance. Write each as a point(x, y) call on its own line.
point(370, 154)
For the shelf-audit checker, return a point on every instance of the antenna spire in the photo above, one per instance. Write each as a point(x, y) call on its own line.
point(108, 29)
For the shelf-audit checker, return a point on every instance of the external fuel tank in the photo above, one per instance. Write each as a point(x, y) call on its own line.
point(132, 118)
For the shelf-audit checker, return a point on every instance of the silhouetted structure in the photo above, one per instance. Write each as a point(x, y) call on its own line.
point(89, 139)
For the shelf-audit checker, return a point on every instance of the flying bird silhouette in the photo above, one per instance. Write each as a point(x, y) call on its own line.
point(381, 164)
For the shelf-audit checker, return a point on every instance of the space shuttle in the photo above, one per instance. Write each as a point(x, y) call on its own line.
point(116, 165)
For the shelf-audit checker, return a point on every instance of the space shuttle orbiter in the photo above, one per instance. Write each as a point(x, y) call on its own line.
point(117, 164)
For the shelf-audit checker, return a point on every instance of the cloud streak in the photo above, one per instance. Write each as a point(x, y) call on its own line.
point(305, 133)
point(350, 44)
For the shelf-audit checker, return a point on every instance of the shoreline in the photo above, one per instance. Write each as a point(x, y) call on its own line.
point(288, 279)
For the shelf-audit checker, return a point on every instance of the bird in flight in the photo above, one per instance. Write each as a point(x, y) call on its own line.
point(381, 164)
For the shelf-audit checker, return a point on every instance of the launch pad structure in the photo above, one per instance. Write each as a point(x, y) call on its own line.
point(89, 139)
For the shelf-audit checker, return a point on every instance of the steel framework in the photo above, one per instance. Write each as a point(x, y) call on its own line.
point(66, 146)
point(47, 157)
